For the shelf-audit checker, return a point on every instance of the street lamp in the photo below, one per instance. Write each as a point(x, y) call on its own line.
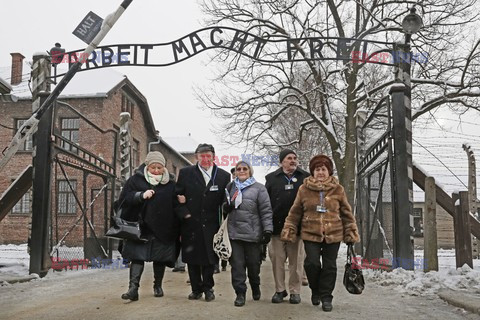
point(411, 24)
point(402, 139)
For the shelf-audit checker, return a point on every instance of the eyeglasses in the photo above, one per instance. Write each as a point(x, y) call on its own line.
point(242, 169)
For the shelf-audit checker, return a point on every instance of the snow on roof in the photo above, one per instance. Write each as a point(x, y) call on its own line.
point(85, 84)
point(21, 90)
point(182, 144)
point(5, 85)
point(92, 83)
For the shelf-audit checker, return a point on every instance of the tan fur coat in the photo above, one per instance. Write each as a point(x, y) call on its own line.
point(335, 225)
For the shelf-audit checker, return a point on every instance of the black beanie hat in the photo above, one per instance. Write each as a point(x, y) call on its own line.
point(284, 153)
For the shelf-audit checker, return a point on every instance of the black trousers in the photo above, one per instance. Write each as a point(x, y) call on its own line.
point(245, 256)
point(321, 274)
point(201, 277)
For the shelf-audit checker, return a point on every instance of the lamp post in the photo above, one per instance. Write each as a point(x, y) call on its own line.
point(402, 134)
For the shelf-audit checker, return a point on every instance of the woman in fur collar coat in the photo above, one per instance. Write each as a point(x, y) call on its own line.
point(324, 216)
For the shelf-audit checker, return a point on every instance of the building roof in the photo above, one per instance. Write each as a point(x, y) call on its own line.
point(94, 83)
point(182, 144)
point(5, 87)
point(172, 149)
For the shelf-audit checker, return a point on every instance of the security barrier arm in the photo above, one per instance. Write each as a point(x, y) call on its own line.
point(29, 126)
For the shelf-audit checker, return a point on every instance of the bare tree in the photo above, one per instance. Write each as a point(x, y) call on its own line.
point(295, 103)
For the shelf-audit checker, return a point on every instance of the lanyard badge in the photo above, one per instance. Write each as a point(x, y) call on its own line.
point(321, 208)
point(290, 186)
point(214, 187)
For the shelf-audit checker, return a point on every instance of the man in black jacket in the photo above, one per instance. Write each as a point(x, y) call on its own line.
point(282, 186)
point(203, 188)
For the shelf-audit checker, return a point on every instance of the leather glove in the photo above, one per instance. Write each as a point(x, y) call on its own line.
point(227, 208)
point(266, 237)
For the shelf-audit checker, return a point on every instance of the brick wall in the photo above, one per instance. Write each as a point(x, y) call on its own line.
point(14, 227)
point(102, 112)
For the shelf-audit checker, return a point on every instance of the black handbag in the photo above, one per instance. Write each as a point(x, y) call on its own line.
point(353, 278)
point(123, 229)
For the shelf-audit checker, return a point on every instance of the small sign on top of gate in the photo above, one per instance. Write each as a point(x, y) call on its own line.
point(88, 28)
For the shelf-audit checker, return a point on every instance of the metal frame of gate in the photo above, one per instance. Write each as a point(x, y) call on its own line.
point(375, 188)
point(71, 160)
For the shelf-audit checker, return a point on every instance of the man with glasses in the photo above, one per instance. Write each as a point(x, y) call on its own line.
point(282, 186)
point(201, 190)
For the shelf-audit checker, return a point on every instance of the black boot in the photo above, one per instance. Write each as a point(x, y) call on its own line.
point(136, 270)
point(240, 300)
point(158, 272)
point(256, 293)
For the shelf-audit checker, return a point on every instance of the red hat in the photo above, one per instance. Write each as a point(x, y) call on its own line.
point(321, 160)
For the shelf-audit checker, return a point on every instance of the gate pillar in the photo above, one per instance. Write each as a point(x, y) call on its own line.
point(402, 200)
point(42, 175)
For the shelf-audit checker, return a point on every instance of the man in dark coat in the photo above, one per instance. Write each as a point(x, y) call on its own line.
point(203, 188)
point(282, 186)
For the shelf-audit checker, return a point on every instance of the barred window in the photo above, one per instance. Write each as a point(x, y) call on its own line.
point(23, 205)
point(28, 144)
point(65, 199)
point(70, 131)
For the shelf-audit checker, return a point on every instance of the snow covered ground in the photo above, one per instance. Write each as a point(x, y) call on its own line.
point(418, 282)
point(14, 260)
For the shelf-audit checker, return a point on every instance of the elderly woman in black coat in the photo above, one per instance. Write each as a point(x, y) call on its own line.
point(149, 197)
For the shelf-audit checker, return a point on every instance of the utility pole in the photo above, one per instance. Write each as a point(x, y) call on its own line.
point(472, 194)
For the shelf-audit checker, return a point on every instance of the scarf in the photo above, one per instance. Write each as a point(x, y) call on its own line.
point(207, 175)
point(239, 186)
point(154, 179)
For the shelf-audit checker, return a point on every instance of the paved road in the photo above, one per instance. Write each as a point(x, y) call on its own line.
point(96, 295)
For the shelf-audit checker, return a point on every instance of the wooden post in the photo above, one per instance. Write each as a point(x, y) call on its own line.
point(403, 199)
point(430, 226)
point(39, 238)
point(472, 193)
point(461, 222)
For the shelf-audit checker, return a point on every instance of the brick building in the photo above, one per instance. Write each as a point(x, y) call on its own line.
point(85, 123)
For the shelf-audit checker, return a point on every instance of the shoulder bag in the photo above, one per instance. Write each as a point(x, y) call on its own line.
point(123, 229)
point(353, 278)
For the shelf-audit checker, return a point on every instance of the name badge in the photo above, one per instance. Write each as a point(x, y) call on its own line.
point(289, 187)
point(321, 209)
point(214, 188)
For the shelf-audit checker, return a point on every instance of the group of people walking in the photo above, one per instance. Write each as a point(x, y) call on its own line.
point(302, 216)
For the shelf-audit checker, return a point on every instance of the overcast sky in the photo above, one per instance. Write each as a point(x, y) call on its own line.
point(29, 26)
